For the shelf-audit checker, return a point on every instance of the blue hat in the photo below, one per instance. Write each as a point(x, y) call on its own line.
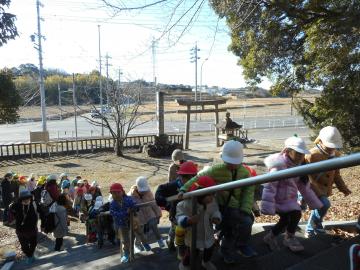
point(25, 194)
point(65, 184)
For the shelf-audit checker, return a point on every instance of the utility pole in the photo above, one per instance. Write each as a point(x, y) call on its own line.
point(119, 87)
point(59, 90)
point(107, 78)
point(153, 47)
point(194, 59)
point(41, 71)
point(100, 86)
point(75, 115)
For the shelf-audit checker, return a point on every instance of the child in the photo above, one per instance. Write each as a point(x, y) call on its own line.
point(207, 215)
point(78, 200)
point(120, 209)
point(61, 228)
point(25, 212)
point(31, 183)
point(22, 183)
point(7, 197)
point(104, 224)
point(326, 145)
point(186, 171)
point(148, 215)
point(85, 205)
point(62, 178)
point(177, 157)
point(280, 197)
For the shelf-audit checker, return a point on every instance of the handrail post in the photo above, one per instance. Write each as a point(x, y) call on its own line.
point(193, 235)
point(131, 235)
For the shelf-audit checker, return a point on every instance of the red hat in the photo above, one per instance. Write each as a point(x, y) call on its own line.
point(188, 167)
point(22, 179)
point(80, 191)
point(202, 182)
point(116, 187)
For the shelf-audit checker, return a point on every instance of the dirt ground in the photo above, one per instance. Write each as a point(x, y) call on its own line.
point(106, 168)
point(238, 107)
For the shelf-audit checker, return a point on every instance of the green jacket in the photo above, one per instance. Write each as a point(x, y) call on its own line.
point(242, 198)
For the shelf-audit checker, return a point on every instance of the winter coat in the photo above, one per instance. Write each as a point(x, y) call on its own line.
point(26, 217)
point(60, 221)
point(14, 188)
point(172, 175)
point(322, 183)
point(204, 227)
point(31, 185)
point(6, 192)
point(120, 211)
point(145, 213)
point(49, 194)
point(282, 196)
point(37, 194)
point(242, 198)
point(166, 190)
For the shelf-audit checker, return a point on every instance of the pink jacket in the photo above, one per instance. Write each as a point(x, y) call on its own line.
point(281, 196)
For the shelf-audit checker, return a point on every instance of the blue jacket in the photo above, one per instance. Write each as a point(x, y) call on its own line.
point(120, 210)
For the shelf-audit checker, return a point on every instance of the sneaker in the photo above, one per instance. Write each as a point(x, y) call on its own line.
point(139, 247)
point(246, 251)
point(183, 267)
point(30, 260)
point(318, 227)
point(208, 265)
point(147, 247)
point(309, 234)
point(293, 243)
point(271, 240)
point(354, 257)
point(125, 258)
point(161, 243)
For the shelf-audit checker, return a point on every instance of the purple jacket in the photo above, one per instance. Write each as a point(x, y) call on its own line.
point(281, 196)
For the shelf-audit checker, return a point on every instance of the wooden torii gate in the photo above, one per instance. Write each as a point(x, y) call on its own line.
point(189, 103)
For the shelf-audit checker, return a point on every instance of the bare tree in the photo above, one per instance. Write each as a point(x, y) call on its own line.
point(121, 115)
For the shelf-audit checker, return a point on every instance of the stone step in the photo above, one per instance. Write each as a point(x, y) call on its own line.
point(334, 258)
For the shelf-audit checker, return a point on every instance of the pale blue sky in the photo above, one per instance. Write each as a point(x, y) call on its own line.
point(71, 44)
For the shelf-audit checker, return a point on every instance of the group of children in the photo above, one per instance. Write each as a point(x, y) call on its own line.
point(224, 217)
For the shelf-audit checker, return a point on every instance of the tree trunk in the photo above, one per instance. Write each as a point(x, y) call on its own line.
point(119, 147)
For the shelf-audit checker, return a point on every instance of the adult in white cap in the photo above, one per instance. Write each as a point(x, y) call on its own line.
point(235, 205)
point(327, 146)
point(280, 197)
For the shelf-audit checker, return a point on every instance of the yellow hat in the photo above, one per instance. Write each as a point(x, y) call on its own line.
point(41, 181)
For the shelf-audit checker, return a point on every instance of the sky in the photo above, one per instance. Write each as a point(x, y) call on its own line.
point(71, 41)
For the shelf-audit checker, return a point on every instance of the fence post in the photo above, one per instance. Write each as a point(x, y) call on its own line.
point(193, 259)
point(131, 235)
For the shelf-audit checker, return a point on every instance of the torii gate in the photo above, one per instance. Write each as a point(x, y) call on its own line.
point(188, 103)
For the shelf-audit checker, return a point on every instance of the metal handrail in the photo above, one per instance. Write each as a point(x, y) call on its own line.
point(321, 166)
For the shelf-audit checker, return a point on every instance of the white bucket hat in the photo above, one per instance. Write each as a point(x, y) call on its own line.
point(232, 152)
point(296, 144)
point(142, 184)
point(330, 137)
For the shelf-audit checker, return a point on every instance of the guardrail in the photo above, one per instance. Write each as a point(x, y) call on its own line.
point(70, 147)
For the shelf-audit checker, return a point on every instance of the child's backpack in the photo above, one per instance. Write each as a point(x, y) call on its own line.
point(49, 224)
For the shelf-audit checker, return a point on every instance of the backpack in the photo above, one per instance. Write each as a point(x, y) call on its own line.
point(49, 224)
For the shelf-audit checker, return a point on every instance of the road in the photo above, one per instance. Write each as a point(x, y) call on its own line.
point(65, 128)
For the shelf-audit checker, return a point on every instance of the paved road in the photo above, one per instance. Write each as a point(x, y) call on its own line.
point(65, 128)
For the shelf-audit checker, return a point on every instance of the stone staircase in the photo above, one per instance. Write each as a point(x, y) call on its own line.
point(321, 252)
